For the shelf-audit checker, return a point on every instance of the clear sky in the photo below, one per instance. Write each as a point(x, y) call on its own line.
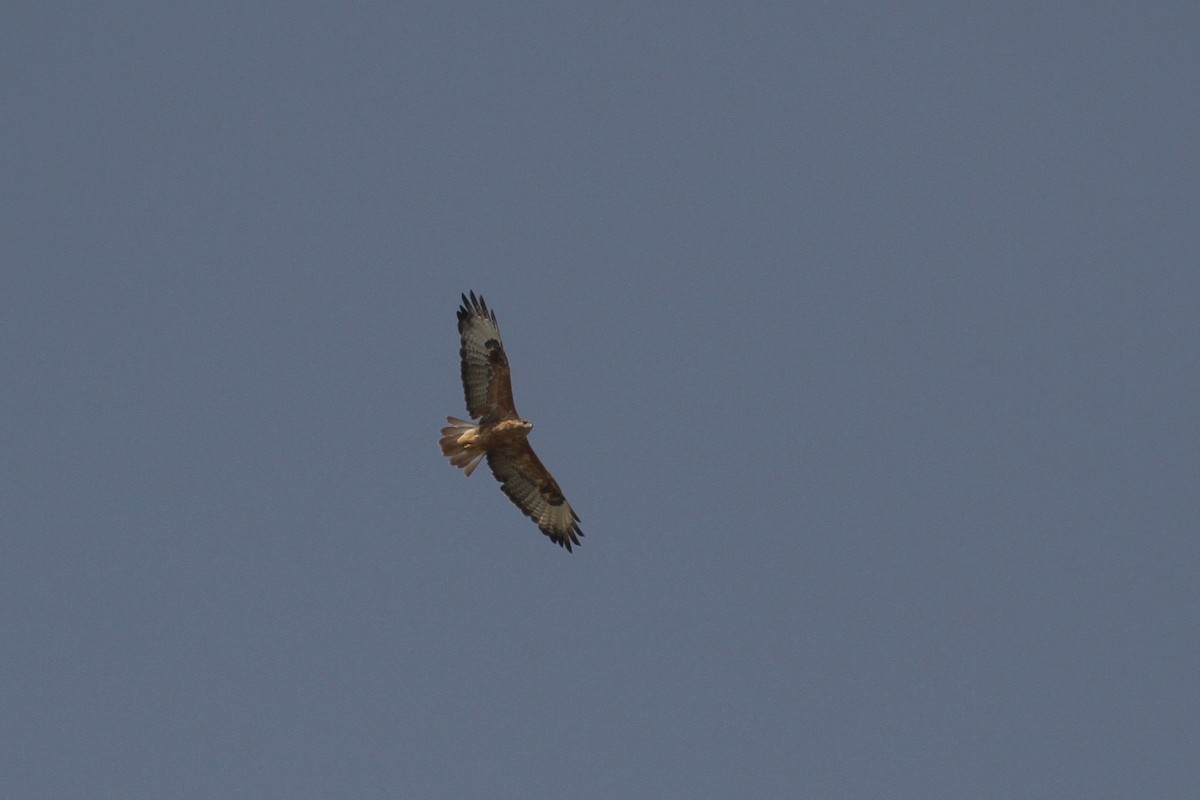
point(865, 341)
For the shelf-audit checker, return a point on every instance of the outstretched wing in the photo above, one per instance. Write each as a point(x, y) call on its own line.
point(485, 376)
point(531, 487)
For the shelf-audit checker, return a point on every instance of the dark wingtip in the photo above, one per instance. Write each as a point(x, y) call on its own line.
point(567, 538)
point(473, 304)
point(464, 311)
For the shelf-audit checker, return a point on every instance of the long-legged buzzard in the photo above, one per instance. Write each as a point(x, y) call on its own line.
point(500, 434)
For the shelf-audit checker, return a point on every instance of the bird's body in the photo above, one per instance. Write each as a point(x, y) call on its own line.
point(469, 442)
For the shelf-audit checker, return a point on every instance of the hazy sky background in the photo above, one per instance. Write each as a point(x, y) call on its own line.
point(865, 340)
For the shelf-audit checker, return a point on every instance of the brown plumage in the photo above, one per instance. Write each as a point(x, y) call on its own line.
point(500, 435)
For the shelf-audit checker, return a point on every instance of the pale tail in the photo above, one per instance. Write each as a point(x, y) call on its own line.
point(458, 442)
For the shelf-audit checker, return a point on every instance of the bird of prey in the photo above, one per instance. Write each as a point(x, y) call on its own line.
point(500, 433)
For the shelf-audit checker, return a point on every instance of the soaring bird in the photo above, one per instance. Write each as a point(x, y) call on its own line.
point(500, 434)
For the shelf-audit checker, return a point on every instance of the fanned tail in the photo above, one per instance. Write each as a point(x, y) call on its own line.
point(458, 443)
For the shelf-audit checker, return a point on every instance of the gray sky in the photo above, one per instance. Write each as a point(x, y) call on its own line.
point(864, 341)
